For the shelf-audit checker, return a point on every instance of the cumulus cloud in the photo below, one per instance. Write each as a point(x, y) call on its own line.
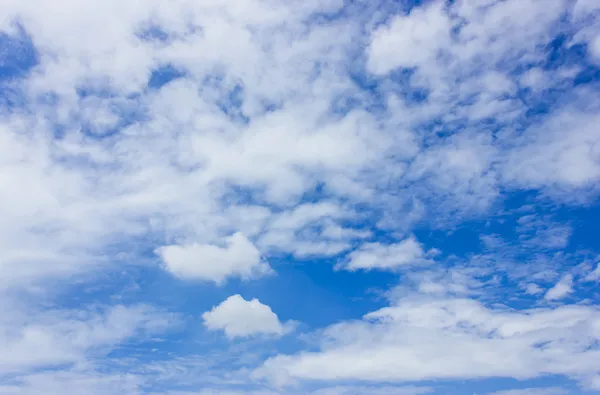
point(532, 391)
point(237, 258)
point(427, 339)
point(238, 317)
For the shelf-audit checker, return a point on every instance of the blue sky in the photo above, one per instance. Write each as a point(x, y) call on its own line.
point(265, 197)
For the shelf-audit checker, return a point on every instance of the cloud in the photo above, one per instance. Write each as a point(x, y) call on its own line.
point(54, 383)
point(427, 339)
point(410, 41)
point(52, 338)
point(377, 256)
point(238, 317)
point(533, 289)
point(365, 390)
point(337, 390)
point(532, 391)
point(562, 289)
point(237, 258)
point(594, 275)
point(225, 135)
point(547, 157)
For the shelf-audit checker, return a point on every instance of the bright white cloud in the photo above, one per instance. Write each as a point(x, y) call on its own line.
point(532, 391)
point(238, 257)
point(559, 154)
point(410, 41)
point(562, 288)
point(427, 339)
point(378, 256)
point(238, 317)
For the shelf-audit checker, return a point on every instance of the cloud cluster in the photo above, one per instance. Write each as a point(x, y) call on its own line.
point(214, 141)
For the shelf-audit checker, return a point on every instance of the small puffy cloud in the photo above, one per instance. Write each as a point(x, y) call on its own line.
point(238, 317)
point(379, 256)
point(563, 288)
point(238, 257)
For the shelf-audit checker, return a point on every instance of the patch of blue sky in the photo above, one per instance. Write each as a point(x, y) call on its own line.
point(164, 75)
point(17, 54)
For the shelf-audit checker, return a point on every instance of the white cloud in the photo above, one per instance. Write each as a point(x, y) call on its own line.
point(410, 41)
point(532, 391)
point(238, 317)
point(594, 275)
point(366, 390)
point(428, 339)
point(560, 154)
point(48, 338)
point(124, 168)
point(533, 289)
point(238, 257)
point(562, 289)
point(378, 256)
point(337, 390)
point(78, 383)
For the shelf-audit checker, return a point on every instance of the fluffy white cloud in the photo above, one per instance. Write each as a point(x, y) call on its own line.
point(428, 339)
point(238, 317)
point(532, 391)
point(378, 256)
point(562, 153)
point(238, 257)
point(562, 289)
point(410, 41)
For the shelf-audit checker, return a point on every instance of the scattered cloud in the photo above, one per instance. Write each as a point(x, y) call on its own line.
point(238, 317)
point(562, 289)
point(377, 256)
point(428, 339)
point(532, 391)
point(594, 275)
point(237, 258)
